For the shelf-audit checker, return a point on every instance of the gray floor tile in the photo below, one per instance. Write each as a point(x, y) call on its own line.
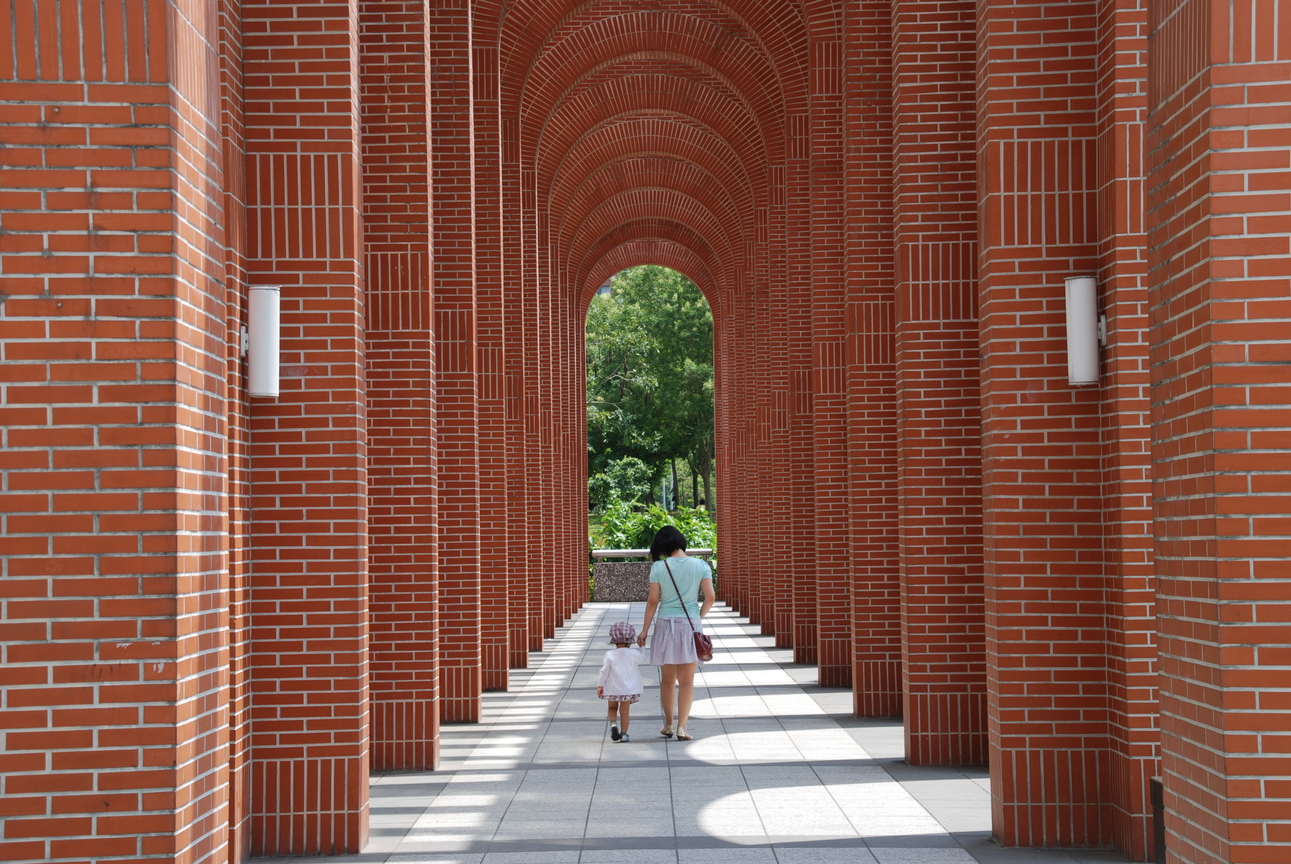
point(779, 772)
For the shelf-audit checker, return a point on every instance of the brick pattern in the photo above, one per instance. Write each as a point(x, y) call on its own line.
point(1044, 577)
point(456, 361)
point(1132, 672)
point(1219, 215)
point(831, 509)
point(403, 599)
point(871, 371)
point(490, 288)
point(308, 526)
point(115, 650)
point(880, 201)
point(239, 429)
point(934, 170)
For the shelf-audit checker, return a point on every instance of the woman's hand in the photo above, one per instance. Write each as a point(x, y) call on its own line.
point(641, 640)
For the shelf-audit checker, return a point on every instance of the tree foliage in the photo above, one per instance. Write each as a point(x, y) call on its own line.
point(650, 374)
point(626, 480)
point(625, 527)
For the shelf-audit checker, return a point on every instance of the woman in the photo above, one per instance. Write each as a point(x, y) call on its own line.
point(672, 647)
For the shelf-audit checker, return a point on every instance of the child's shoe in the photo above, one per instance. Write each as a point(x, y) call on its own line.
point(615, 734)
point(627, 739)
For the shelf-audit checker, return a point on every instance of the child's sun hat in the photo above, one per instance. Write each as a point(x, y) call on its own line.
point(622, 631)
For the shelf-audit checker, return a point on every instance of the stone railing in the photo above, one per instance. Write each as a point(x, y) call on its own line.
point(619, 580)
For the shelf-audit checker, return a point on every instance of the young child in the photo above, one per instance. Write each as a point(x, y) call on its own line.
point(620, 682)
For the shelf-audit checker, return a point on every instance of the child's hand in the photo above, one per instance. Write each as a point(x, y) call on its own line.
point(600, 692)
point(641, 640)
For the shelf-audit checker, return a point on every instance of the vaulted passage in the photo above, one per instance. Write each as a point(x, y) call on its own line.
point(223, 610)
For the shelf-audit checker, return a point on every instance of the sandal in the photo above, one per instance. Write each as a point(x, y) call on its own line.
point(666, 731)
point(683, 735)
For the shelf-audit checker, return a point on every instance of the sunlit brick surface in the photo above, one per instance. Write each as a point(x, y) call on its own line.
point(220, 613)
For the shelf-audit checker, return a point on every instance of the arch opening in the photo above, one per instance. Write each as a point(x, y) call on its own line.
point(649, 408)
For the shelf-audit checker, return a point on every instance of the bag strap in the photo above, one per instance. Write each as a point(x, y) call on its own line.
point(679, 597)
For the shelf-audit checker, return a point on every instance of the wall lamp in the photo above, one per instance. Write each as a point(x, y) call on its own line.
point(1086, 330)
point(261, 341)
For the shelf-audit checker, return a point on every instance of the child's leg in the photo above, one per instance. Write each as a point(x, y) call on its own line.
point(625, 711)
point(613, 711)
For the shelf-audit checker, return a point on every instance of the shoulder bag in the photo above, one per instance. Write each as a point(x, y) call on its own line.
point(703, 645)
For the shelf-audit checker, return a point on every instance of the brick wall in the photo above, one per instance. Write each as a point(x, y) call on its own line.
point(308, 524)
point(1045, 609)
point(869, 356)
point(456, 361)
point(403, 599)
point(113, 385)
point(1134, 738)
point(492, 293)
point(831, 508)
point(880, 202)
point(1219, 216)
point(934, 173)
point(238, 418)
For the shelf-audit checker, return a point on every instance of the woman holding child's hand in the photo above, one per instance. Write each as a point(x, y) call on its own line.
point(676, 581)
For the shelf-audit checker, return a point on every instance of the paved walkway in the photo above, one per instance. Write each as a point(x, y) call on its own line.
point(778, 773)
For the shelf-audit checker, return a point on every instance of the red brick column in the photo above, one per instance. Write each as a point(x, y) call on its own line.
point(734, 582)
point(776, 606)
point(545, 570)
point(492, 308)
point(747, 361)
point(575, 429)
point(1132, 669)
point(1041, 470)
point(734, 579)
point(800, 481)
point(538, 585)
point(868, 355)
point(567, 492)
point(515, 323)
point(1219, 266)
point(233, 155)
point(402, 562)
point(115, 651)
point(830, 509)
point(309, 461)
point(457, 421)
point(935, 209)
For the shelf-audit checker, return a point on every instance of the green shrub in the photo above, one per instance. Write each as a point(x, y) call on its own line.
point(625, 527)
point(626, 479)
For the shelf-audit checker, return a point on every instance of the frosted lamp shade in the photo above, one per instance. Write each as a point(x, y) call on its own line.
point(262, 326)
point(1082, 330)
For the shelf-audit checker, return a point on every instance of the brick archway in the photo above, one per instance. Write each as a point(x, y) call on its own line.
point(271, 597)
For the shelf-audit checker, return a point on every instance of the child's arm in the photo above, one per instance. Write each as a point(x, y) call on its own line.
point(605, 673)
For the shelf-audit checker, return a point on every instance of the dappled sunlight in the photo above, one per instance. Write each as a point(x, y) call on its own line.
point(769, 768)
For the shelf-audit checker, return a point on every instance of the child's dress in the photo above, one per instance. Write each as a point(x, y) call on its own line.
point(620, 679)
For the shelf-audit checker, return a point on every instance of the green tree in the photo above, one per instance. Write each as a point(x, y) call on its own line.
point(626, 480)
point(650, 374)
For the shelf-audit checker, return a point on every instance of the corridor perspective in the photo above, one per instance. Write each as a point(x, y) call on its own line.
point(772, 777)
point(293, 394)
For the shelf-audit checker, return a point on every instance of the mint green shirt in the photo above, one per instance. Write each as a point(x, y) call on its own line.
point(689, 573)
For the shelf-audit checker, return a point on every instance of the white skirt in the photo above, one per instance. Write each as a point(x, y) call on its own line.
point(672, 641)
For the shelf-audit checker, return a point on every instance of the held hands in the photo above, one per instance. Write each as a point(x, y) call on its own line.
point(641, 640)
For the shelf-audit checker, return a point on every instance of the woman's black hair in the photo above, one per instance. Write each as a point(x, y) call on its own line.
point(666, 542)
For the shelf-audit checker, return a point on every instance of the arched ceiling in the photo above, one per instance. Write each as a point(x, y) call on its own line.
point(649, 128)
point(653, 250)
